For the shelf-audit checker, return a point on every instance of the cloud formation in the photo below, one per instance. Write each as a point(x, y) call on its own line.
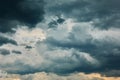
point(17, 12)
point(4, 52)
point(5, 40)
point(104, 13)
point(71, 47)
point(74, 36)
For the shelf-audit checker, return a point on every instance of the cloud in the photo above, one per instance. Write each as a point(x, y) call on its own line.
point(100, 44)
point(5, 40)
point(70, 47)
point(4, 52)
point(114, 73)
point(43, 56)
point(104, 13)
point(52, 76)
point(56, 22)
point(17, 12)
point(16, 52)
point(68, 40)
point(63, 61)
point(57, 61)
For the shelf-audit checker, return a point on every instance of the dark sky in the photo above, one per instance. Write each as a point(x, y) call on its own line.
point(24, 12)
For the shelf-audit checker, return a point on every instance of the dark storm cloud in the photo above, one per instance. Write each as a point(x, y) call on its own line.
point(28, 47)
point(15, 12)
point(5, 40)
point(55, 23)
point(4, 52)
point(21, 68)
point(115, 73)
point(104, 13)
point(60, 20)
point(16, 52)
point(108, 58)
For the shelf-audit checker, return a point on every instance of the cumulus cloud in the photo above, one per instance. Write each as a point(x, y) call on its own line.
point(100, 44)
point(71, 47)
point(68, 40)
point(66, 60)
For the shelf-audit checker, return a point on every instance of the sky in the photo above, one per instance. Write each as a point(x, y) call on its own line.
point(60, 39)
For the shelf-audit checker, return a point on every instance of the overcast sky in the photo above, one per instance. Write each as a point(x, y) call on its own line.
point(60, 37)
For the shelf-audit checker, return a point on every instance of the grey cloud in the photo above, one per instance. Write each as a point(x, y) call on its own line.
point(104, 13)
point(18, 67)
point(59, 61)
point(105, 49)
point(73, 46)
point(5, 40)
point(60, 20)
point(55, 23)
point(77, 50)
point(111, 73)
point(66, 60)
point(16, 52)
point(4, 52)
point(28, 47)
point(17, 12)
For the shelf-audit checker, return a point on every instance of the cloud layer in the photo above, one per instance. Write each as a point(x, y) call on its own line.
point(63, 50)
point(104, 13)
point(17, 12)
point(60, 37)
